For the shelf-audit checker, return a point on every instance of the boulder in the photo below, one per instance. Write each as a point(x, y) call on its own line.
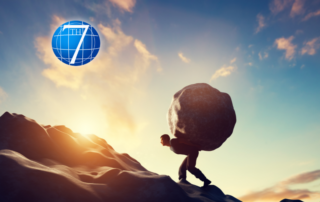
point(202, 115)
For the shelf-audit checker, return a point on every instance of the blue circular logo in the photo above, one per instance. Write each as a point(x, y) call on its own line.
point(76, 43)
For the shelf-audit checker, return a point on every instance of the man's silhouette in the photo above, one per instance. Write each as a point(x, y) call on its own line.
point(181, 146)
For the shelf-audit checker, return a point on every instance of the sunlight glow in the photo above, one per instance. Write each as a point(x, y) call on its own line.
point(86, 127)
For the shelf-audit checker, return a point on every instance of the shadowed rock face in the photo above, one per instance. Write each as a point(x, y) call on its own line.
point(51, 163)
point(202, 115)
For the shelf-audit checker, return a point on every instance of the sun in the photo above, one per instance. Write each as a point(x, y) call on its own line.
point(87, 126)
point(85, 129)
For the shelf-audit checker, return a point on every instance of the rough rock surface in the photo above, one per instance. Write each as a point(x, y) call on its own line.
point(290, 200)
point(202, 115)
point(51, 163)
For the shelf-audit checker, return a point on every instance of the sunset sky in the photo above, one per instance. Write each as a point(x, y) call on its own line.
point(264, 54)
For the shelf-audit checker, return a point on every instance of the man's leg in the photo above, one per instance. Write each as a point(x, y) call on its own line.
point(192, 159)
point(183, 169)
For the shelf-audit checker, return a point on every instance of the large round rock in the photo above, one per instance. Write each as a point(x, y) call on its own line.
point(202, 115)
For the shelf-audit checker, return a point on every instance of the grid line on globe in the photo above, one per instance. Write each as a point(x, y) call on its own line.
point(67, 38)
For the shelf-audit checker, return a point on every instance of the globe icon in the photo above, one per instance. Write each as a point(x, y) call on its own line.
point(76, 43)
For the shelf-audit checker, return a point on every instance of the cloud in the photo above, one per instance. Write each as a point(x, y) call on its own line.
point(311, 46)
point(297, 8)
point(303, 178)
point(102, 7)
point(279, 5)
point(146, 57)
point(3, 95)
point(265, 55)
point(115, 78)
point(281, 190)
point(285, 44)
point(116, 37)
point(124, 5)
point(261, 23)
point(60, 73)
point(183, 58)
point(233, 60)
point(310, 15)
point(223, 72)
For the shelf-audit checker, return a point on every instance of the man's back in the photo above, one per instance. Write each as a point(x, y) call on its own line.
point(180, 148)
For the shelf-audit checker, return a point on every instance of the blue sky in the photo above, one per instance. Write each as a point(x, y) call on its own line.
point(264, 54)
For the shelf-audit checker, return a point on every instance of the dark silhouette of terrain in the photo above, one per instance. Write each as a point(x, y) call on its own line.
point(51, 163)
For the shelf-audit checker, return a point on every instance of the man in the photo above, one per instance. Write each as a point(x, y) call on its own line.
point(181, 146)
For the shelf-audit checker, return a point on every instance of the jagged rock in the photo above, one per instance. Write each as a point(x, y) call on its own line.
point(289, 200)
point(202, 115)
point(51, 163)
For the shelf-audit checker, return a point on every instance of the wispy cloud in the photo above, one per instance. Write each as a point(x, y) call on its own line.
point(116, 37)
point(124, 5)
point(265, 55)
point(183, 58)
point(311, 46)
point(297, 8)
point(282, 190)
point(261, 23)
point(105, 6)
point(145, 56)
point(116, 77)
point(310, 15)
point(61, 74)
point(286, 44)
point(277, 6)
point(3, 95)
point(303, 178)
point(223, 72)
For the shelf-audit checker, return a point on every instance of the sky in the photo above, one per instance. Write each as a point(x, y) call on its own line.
point(264, 54)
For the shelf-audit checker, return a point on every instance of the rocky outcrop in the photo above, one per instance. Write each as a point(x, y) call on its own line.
point(51, 163)
point(289, 200)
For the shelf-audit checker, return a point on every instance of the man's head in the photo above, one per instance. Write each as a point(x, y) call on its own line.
point(165, 140)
